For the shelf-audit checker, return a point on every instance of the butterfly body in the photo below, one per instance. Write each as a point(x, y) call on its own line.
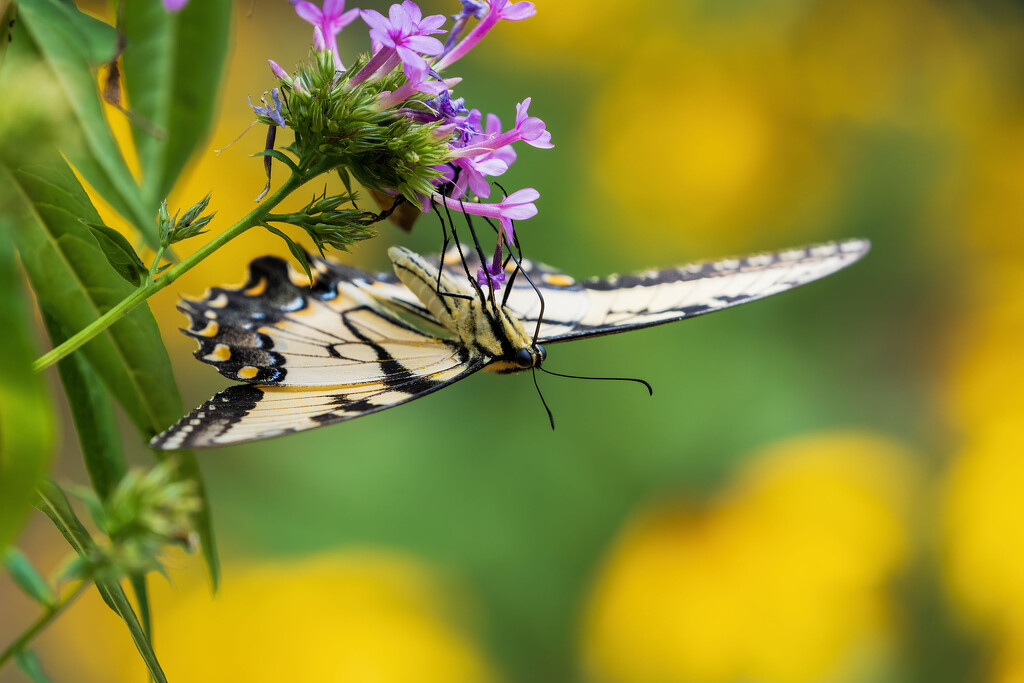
point(489, 329)
point(351, 343)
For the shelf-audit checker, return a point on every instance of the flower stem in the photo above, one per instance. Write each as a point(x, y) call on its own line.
point(51, 613)
point(255, 217)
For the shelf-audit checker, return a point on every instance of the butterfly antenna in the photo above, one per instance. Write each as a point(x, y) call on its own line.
point(504, 264)
point(479, 254)
point(511, 279)
point(444, 247)
point(647, 384)
point(462, 254)
point(540, 297)
point(551, 418)
point(519, 268)
point(462, 257)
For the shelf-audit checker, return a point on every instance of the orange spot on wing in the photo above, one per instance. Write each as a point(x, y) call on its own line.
point(257, 288)
point(558, 280)
point(248, 372)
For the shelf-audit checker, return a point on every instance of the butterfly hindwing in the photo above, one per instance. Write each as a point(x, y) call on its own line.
point(278, 329)
point(247, 412)
point(345, 345)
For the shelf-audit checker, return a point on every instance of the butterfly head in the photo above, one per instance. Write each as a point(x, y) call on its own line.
point(530, 357)
point(504, 338)
point(522, 358)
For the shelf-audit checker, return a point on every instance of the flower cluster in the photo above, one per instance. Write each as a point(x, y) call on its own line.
point(147, 512)
point(391, 120)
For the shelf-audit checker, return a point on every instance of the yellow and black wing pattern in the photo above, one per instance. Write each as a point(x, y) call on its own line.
point(589, 308)
point(351, 343)
point(311, 354)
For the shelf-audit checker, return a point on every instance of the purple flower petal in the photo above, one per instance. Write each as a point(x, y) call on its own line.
point(272, 113)
point(374, 19)
point(278, 71)
point(424, 45)
point(348, 17)
point(334, 7)
point(519, 11)
point(309, 12)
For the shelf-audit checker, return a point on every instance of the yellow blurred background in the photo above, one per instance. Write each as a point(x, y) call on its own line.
point(826, 486)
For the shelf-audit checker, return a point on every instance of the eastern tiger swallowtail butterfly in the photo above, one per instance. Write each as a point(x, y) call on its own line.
point(351, 343)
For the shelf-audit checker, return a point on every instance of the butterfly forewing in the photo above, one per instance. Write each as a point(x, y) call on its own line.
point(619, 303)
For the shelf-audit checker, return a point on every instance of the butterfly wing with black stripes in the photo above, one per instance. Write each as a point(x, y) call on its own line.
point(352, 343)
point(573, 310)
point(347, 345)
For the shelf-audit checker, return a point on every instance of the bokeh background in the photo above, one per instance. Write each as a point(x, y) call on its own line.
point(825, 486)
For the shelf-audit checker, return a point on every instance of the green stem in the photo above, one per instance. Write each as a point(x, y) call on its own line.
point(43, 621)
point(255, 217)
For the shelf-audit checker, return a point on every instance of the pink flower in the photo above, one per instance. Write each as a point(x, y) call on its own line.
point(517, 206)
point(528, 129)
point(174, 5)
point(330, 20)
point(406, 32)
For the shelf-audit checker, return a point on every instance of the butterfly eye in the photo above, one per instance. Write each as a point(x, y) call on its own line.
point(542, 355)
point(524, 358)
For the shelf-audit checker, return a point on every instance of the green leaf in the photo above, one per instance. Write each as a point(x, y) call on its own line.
point(298, 252)
point(26, 421)
point(53, 503)
point(27, 578)
point(95, 40)
point(68, 43)
point(173, 64)
point(92, 411)
point(74, 285)
point(119, 252)
point(280, 156)
point(30, 665)
point(138, 581)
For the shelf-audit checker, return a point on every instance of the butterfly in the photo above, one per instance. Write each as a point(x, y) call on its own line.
point(343, 342)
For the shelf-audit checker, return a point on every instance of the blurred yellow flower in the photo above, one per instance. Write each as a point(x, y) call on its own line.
point(781, 578)
point(352, 617)
point(988, 363)
point(704, 147)
point(982, 520)
point(574, 36)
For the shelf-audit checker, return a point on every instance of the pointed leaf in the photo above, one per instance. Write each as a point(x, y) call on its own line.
point(26, 422)
point(173, 64)
point(68, 42)
point(27, 578)
point(138, 582)
point(119, 252)
point(298, 252)
point(75, 285)
point(280, 156)
point(54, 504)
